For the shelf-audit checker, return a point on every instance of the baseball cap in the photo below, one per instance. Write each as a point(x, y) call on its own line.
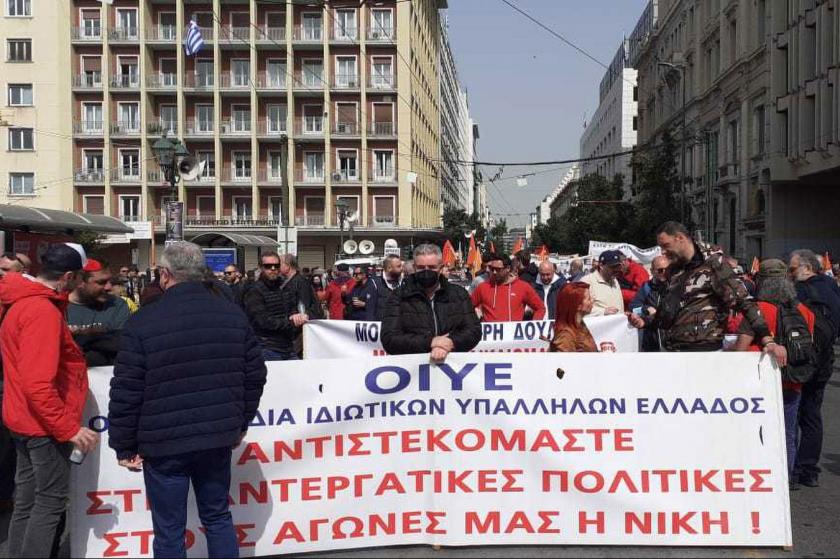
point(63, 257)
point(92, 265)
point(610, 258)
point(343, 268)
point(772, 268)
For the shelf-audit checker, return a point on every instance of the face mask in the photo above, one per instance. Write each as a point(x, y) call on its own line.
point(426, 278)
point(394, 276)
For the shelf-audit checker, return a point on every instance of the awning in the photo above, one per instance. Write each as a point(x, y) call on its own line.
point(38, 219)
point(226, 239)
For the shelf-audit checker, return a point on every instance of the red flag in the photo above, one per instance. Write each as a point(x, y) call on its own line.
point(473, 258)
point(755, 266)
point(543, 253)
point(448, 254)
point(518, 246)
point(826, 262)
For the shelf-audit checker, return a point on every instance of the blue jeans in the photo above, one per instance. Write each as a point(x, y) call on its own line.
point(269, 355)
point(167, 486)
point(810, 430)
point(791, 400)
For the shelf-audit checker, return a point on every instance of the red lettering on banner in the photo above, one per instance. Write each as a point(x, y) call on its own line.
point(434, 523)
point(733, 481)
point(289, 531)
point(336, 484)
point(703, 480)
point(491, 523)
point(311, 489)
point(667, 523)
point(385, 440)
point(248, 491)
point(624, 440)
point(315, 528)
point(571, 439)
point(96, 503)
point(510, 481)
point(114, 544)
point(390, 482)
point(434, 440)
point(410, 441)
point(281, 449)
point(145, 540)
point(242, 534)
point(547, 518)
point(758, 481)
point(388, 525)
point(519, 521)
point(252, 451)
point(356, 449)
point(319, 444)
point(584, 522)
point(411, 522)
point(516, 441)
point(545, 440)
point(128, 501)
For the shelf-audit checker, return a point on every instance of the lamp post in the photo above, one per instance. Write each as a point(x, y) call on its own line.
point(680, 69)
point(341, 208)
point(169, 155)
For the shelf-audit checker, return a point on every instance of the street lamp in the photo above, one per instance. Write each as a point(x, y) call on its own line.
point(169, 156)
point(680, 69)
point(341, 208)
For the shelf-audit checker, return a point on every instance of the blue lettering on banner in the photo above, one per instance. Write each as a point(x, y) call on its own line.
point(492, 331)
point(273, 417)
point(374, 410)
point(699, 406)
point(492, 377)
point(539, 406)
point(367, 332)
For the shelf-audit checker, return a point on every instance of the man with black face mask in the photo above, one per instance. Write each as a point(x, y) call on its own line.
point(427, 314)
point(387, 283)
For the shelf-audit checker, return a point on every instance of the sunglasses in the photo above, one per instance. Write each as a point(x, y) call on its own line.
point(495, 269)
point(270, 266)
point(660, 270)
point(229, 273)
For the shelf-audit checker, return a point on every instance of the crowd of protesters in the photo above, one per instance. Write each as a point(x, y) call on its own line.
point(177, 423)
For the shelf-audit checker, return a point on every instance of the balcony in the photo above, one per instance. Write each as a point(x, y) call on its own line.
point(267, 34)
point(310, 220)
point(380, 34)
point(345, 129)
point(272, 80)
point(311, 126)
point(88, 81)
point(271, 128)
point(229, 34)
point(89, 176)
point(160, 127)
point(234, 127)
point(308, 81)
point(207, 34)
point(346, 81)
point(309, 34)
point(383, 221)
point(382, 82)
point(125, 81)
point(88, 128)
point(234, 81)
point(123, 35)
point(164, 82)
point(235, 174)
point(382, 130)
point(162, 34)
point(344, 34)
point(271, 176)
point(199, 127)
point(199, 82)
point(345, 177)
point(89, 34)
point(386, 175)
point(309, 176)
point(126, 175)
point(125, 128)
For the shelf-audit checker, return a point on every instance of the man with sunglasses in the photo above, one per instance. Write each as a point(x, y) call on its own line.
point(505, 297)
point(270, 309)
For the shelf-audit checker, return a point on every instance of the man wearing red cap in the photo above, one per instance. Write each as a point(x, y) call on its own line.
point(96, 316)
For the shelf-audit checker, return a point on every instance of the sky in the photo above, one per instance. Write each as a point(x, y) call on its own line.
point(528, 91)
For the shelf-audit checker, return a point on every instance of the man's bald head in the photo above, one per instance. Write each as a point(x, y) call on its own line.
point(546, 271)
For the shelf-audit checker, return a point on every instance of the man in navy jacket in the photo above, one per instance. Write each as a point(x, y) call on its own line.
point(187, 383)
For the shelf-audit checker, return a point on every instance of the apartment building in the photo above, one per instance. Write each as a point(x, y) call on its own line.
point(35, 135)
point(762, 130)
point(544, 210)
point(457, 188)
point(612, 128)
point(296, 109)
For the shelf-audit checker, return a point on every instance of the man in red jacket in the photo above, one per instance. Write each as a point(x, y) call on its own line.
point(335, 291)
point(631, 279)
point(45, 389)
point(505, 297)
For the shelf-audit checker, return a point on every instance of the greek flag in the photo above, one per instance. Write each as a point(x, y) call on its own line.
point(193, 42)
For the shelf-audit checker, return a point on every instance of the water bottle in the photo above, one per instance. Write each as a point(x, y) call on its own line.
point(77, 456)
point(301, 307)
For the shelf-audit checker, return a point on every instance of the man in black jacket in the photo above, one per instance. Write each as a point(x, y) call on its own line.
point(301, 293)
point(273, 313)
point(186, 386)
point(428, 314)
point(390, 280)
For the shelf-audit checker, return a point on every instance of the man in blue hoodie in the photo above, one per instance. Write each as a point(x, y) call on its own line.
point(822, 295)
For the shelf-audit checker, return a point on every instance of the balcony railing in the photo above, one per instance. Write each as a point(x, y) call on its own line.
point(93, 34)
point(199, 127)
point(234, 81)
point(207, 34)
point(345, 176)
point(310, 176)
point(160, 127)
point(309, 34)
point(123, 34)
point(380, 34)
point(229, 34)
point(240, 174)
point(271, 128)
point(384, 175)
point(382, 81)
point(309, 80)
point(162, 81)
point(310, 219)
point(345, 129)
point(383, 221)
point(382, 129)
point(272, 80)
point(125, 128)
point(346, 81)
point(129, 174)
point(89, 176)
point(124, 81)
point(198, 81)
point(234, 126)
point(340, 33)
point(309, 126)
point(271, 34)
point(271, 175)
point(88, 127)
point(162, 33)
point(88, 81)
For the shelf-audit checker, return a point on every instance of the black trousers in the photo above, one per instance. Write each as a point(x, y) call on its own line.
point(810, 429)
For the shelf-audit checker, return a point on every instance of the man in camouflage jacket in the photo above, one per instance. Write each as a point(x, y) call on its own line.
point(701, 294)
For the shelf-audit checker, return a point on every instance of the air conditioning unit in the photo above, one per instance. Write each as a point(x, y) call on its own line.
point(342, 128)
point(375, 35)
point(336, 177)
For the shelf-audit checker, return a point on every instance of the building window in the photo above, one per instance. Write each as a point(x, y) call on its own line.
point(242, 208)
point(312, 26)
point(635, 123)
point(275, 166)
point(204, 117)
point(19, 50)
point(635, 93)
point(383, 210)
point(382, 26)
point(22, 184)
point(384, 165)
point(93, 205)
point(91, 24)
point(209, 159)
point(130, 208)
point(130, 164)
point(314, 166)
point(241, 165)
point(345, 24)
point(758, 130)
point(21, 139)
point(241, 118)
point(19, 8)
point(20, 95)
point(241, 72)
point(348, 165)
point(276, 118)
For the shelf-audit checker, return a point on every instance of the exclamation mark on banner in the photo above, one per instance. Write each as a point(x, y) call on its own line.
point(756, 528)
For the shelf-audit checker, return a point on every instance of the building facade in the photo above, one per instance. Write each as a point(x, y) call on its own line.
point(296, 110)
point(544, 211)
point(612, 128)
point(35, 132)
point(762, 131)
point(456, 133)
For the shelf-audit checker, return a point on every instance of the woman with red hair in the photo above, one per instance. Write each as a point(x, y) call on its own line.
point(570, 333)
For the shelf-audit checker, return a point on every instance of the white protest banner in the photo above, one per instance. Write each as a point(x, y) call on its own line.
point(644, 256)
point(613, 333)
point(335, 339)
point(550, 449)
